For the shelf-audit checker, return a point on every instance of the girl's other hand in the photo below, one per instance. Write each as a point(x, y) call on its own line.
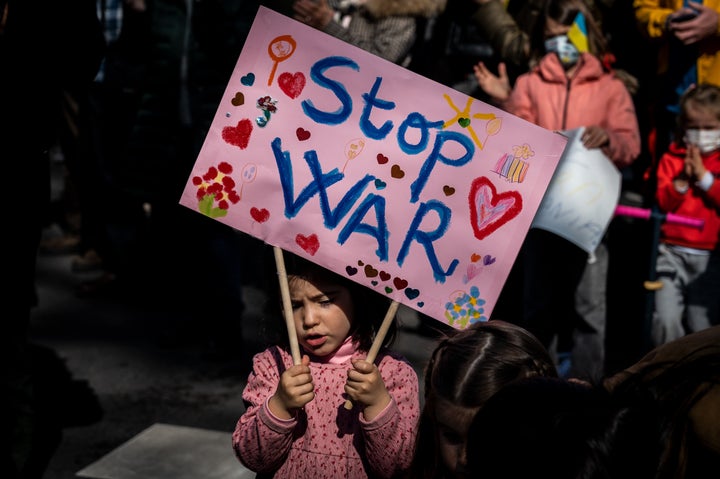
point(294, 391)
point(497, 86)
point(595, 137)
point(365, 385)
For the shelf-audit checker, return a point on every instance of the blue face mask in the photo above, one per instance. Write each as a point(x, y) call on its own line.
point(565, 50)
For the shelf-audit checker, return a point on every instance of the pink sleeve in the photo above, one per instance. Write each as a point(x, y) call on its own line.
point(260, 440)
point(520, 102)
point(390, 437)
point(621, 125)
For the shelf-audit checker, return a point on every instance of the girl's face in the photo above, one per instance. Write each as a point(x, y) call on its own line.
point(322, 312)
point(452, 427)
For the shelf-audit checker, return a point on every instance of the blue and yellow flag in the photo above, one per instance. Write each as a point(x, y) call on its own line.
point(578, 33)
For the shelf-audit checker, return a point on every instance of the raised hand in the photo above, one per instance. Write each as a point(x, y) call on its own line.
point(497, 86)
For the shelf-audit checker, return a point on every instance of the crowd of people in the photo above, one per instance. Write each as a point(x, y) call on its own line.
point(135, 87)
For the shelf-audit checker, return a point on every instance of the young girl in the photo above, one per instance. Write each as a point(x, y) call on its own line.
point(565, 89)
point(688, 263)
point(464, 371)
point(296, 424)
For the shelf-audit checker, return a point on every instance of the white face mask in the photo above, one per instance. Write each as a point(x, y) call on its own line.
point(706, 140)
point(565, 50)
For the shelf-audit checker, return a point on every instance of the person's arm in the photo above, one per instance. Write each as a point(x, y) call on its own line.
point(624, 144)
point(668, 196)
point(502, 31)
point(651, 17)
point(389, 37)
point(261, 440)
point(390, 436)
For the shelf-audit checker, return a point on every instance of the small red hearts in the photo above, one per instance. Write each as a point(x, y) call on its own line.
point(238, 135)
point(382, 159)
point(302, 134)
point(310, 244)
point(259, 215)
point(292, 84)
point(400, 283)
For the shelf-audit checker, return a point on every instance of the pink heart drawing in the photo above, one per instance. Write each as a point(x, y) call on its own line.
point(489, 210)
point(259, 215)
point(472, 270)
point(238, 135)
point(292, 84)
point(308, 243)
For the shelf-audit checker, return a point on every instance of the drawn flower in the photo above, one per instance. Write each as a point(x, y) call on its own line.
point(466, 309)
point(523, 151)
point(216, 190)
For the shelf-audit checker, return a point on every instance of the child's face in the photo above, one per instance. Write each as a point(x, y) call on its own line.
point(323, 314)
point(452, 424)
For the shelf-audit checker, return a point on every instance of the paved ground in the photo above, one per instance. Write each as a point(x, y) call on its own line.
point(123, 362)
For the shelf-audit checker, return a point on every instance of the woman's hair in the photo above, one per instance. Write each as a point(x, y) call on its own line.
point(466, 369)
point(547, 427)
point(564, 12)
point(698, 97)
point(369, 307)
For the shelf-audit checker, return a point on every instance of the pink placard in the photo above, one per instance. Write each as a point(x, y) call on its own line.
point(402, 184)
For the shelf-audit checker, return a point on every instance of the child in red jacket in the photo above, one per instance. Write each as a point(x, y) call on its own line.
point(688, 263)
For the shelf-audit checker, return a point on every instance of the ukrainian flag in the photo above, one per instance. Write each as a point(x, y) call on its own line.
point(578, 33)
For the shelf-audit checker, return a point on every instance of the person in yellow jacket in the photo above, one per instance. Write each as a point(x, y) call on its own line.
point(687, 36)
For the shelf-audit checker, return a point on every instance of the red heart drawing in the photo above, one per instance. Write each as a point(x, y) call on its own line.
point(382, 159)
point(384, 275)
point(489, 210)
point(309, 243)
point(400, 283)
point(238, 135)
point(302, 134)
point(292, 84)
point(259, 215)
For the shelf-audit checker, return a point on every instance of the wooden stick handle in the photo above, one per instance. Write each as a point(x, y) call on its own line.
point(379, 339)
point(287, 305)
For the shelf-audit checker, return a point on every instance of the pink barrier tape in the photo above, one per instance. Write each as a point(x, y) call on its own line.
point(643, 213)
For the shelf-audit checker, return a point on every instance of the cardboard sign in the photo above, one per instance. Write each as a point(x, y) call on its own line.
point(404, 185)
point(582, 196)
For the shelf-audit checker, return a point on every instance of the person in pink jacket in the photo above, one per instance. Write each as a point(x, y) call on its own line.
point(297, 423)
point(564, 89)
point(688, 260)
